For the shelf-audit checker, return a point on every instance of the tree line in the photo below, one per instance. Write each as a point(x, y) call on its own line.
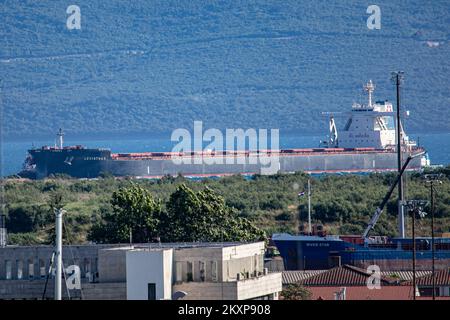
point(188, 216)
point(104, 210)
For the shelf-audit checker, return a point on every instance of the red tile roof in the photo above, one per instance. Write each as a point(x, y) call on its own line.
point(442, 279)
point(345, 275)
point(363, 293)
point(294, 276)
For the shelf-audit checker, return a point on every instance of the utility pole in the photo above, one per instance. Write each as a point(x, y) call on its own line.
point(414, 252)
point(431, 179)
point(415, 207)
point(3, 234)
point(397, 78)
point(58, 252)
point(309, 207)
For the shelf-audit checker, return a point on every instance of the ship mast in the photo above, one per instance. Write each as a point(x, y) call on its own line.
point(370, 87)
point(60, 135)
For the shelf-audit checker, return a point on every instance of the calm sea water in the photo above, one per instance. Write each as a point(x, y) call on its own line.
point(14, 152)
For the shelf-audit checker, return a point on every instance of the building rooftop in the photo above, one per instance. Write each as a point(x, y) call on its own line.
point(442, 279)
point(290, 277)
point(187, 245)
point(363, 293)
point(153, 245)
point(345, 275)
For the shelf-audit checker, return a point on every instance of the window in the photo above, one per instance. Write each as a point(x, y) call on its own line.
point(30, 268)
point(151, 291)
point(190, 271)
point(201, 268)
point(8, 266)
point(179, 272)
point(214, 271)
point(87, 268)
point(41, 268)
point(19, 264)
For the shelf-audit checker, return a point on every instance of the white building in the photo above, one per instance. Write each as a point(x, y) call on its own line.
point(214, 271)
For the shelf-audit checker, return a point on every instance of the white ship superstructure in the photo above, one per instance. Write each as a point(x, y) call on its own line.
point(370, 125)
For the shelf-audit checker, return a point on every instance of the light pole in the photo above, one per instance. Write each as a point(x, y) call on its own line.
point(415, 207)
point(397, 78)
point(3, 234)
point(58, 252)
point(431, 180)
point(309, 207)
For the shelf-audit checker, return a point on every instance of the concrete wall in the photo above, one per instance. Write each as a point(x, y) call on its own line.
point(34, 290)
point(228, 261)
point(242, 259)
point(149, 266)
point(243, 250)
point(269, 285)
point(37, 259)
point(112, 264)
point(246, 267)
point(208, 290)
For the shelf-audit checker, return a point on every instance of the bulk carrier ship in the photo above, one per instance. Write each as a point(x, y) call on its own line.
point(367, 143)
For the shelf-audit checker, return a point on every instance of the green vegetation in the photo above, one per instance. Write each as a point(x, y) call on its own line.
point(189, 216)
point(214, 209)
point(135, 213)
point(296, 292)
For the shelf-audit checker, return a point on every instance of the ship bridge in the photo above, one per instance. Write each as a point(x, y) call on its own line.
point(370, 125)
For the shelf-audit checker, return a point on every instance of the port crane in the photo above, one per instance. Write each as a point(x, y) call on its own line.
point(380, 208)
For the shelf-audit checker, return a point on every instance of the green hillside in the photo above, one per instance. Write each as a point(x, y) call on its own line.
point(153, 66)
